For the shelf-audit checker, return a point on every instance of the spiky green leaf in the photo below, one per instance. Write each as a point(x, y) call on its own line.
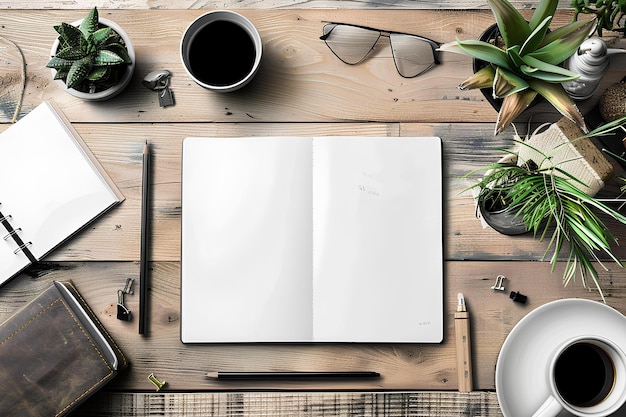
point(482, 78)
point(536, 37)
point(59, 63)
point(557, 96)
point(485, 52)
point(69, 35)
point(506, 83)
point(90, 23)
point(512, 106)
point(78, 72)
point(513, 27)
point(99, 73)
point(121, 51)
point(549, 72)
point(101, 35)
point(569, 38)
point(544, 9)
point(105, 57)
point(70, 53)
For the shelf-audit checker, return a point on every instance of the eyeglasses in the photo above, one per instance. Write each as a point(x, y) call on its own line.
point(412, 54)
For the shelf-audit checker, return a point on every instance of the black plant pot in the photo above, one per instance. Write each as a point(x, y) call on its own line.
point(503, 220)
point(490, 35)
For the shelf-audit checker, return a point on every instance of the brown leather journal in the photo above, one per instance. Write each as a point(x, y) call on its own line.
point(54, 354)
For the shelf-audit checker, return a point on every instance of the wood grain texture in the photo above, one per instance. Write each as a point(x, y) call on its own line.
point(300, 80)
point(305, 404)
point(264, 4)
point(403, 367)
point(301, 90)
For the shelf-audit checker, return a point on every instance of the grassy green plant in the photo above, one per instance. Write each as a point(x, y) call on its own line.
point(529, 62)
point(89, 58)
point(553, 207)
point(609, 13)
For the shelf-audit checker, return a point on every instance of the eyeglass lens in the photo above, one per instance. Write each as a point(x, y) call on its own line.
point(352, 44)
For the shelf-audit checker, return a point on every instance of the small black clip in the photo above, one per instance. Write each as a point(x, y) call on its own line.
point(518, 297)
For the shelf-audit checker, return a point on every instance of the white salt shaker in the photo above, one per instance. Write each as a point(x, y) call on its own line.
point(591, 61)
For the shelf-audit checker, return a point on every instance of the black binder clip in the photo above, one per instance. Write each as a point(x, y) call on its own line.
point(123, 313)
point(518, 297)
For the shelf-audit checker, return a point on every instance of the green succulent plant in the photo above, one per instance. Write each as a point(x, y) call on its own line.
point(529, 62)
point(611, 14)
point(89, 58)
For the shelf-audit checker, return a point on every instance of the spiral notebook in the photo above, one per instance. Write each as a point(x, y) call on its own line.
point(325, 239)
point(51, 186)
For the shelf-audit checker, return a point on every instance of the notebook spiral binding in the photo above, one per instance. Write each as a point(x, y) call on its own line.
point(22, 247)
point(12, 232)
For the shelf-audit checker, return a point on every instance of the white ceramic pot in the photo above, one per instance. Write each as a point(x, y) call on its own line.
point(126, 77)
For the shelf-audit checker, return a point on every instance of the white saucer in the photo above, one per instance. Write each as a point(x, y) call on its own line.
point(521, 383)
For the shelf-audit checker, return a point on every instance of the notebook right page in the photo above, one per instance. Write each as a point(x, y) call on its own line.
point(377, 238)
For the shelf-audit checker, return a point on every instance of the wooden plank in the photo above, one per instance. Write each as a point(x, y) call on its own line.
point(267, 4)
point(305, 404)
point(403, 367)
point(300, 80)
point(467, 146)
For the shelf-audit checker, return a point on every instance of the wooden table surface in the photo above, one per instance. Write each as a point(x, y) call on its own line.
point(302, 89)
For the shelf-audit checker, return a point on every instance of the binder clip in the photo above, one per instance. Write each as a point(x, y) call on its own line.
point(123, 313)
point(499, 285)
point(518, 297)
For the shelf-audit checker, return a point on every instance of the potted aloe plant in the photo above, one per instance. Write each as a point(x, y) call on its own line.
point(528, 64)
point(93, 57)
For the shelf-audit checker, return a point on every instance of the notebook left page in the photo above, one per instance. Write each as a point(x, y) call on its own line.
point(246, 240)
point(50, 184)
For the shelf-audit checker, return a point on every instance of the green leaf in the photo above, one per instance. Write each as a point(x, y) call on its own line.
point(78, 72)
point(120, 50)
point(90, 23)
point(70, 53)
point(512, 106)
point(105, 57)
point(101, 35)
point(69, 35)
point(561, 48)
point(536, 37)
point(545, 9)
point(560, 74)
point(513, 27)
point(557, 96)
point(98, 73)
point(485, 52)
point(59, 63)
point(506, 83)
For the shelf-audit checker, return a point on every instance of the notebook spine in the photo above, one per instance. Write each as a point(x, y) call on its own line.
point(14, 233)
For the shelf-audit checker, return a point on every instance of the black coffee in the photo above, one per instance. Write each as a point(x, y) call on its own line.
point(221, 53)
point(584, 374)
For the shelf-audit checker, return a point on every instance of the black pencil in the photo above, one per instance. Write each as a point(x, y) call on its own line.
point(143, 269)
point(292, 375)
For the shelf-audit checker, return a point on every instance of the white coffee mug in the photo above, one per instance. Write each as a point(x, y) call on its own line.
point(587, 377)
point(221, 50)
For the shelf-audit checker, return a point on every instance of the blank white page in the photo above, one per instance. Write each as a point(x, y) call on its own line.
point(246, 240)
point(378, 252)
point(311, 239)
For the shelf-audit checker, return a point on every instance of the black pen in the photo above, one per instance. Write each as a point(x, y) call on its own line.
point(143, 269)
point(292, 375)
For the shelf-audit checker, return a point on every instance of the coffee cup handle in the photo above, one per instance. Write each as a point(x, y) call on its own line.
point(550, 408)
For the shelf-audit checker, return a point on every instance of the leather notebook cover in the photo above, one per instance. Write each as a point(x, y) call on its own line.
point(54, 354)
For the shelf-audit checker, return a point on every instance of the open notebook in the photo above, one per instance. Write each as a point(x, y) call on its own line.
point(325, 239)
point(51, 186)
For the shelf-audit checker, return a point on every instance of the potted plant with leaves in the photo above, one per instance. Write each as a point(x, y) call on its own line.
point(550, 202)
point(528, 62)
point(93, 57)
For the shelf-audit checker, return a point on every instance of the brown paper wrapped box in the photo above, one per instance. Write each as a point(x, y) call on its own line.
point(54, 354)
